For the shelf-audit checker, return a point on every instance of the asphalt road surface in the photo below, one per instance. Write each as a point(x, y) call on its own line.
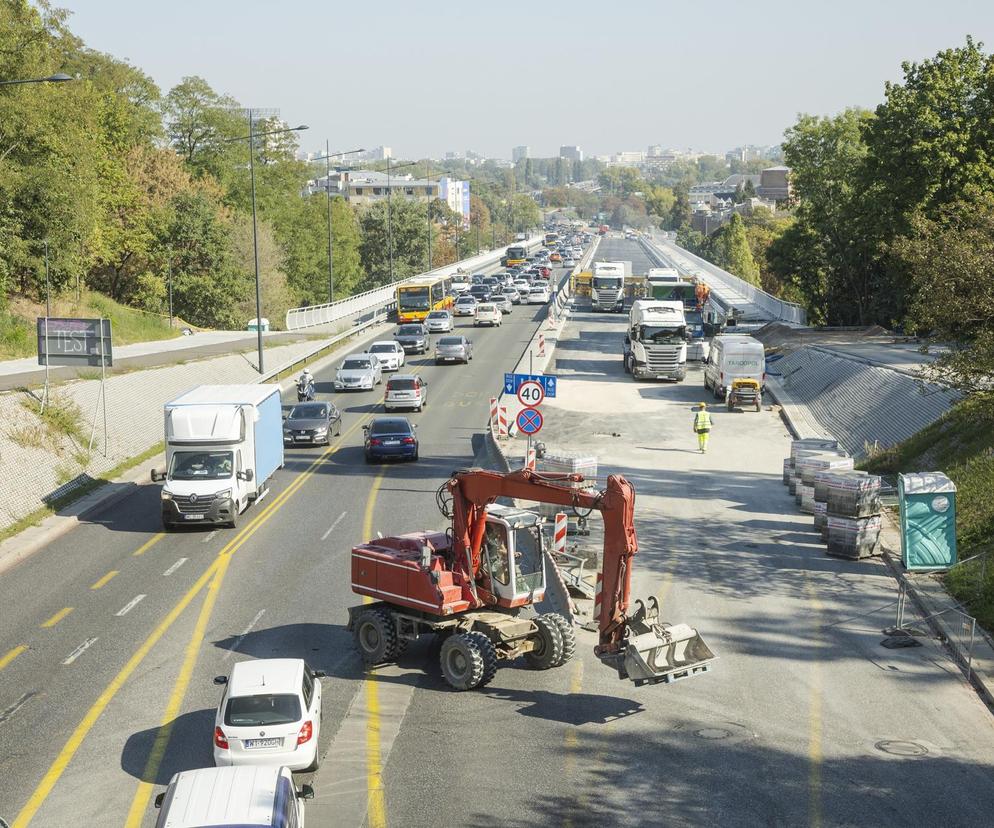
point(105, 634)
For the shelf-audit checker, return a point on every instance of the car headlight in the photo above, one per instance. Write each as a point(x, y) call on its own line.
point(223, 494)
point(167, 495)
point(323, 430)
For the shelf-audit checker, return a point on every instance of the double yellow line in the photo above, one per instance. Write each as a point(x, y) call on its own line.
point(213, 575)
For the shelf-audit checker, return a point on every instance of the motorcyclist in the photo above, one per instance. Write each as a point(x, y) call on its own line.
point(305, 386)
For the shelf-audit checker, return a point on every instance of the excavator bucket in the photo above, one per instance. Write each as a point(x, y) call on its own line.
point(655, 652)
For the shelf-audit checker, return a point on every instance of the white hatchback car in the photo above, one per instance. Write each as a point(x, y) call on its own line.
point(439, 321)
point(538, 295)
point(389, 353)
point(465, 306)
point(269, 714)
point(487, 313)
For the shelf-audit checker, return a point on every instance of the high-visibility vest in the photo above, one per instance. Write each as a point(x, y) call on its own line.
point(702, 421)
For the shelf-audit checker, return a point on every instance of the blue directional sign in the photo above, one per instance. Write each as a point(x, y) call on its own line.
point(529, 421)
point(513, 381)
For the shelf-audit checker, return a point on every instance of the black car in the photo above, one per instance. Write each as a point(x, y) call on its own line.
point(312, 423)
point(413, 338)
point(390, 438)
point(481, 293)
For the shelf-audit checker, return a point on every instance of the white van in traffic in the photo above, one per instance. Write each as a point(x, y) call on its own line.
point(239, 797)
point(732, 357)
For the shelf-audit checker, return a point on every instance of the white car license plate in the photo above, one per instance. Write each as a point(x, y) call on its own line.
point(193, 517)
point(391, 442)
point(256, 744)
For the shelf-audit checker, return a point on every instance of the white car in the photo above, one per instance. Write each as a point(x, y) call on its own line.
point(522, 286)
point(358, 372)
point(465, 306)
point(460, 286)
point(269, 714)
point(538, 295)
point(439, 321)
point(487, 313)
point(503, 302)
point(569, 263)
point(389, 353)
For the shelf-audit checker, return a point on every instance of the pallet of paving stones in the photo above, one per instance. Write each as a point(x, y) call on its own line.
point(854, 496)
point(820, 512)
point(823, 480)
point(803, 445)
point(810, 464)
point(853, 538)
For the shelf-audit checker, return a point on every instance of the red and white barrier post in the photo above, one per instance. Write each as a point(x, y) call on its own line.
point(493, 413)
point(559, 534)
point(502, 422)
point(530, 459)
point(541, 344)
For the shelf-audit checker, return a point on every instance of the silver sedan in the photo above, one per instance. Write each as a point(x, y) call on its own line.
point(453, 349)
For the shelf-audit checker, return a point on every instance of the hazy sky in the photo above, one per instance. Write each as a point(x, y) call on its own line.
point(426, 77)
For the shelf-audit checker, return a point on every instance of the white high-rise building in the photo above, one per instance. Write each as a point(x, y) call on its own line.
point(520, 154)
point(571, 153)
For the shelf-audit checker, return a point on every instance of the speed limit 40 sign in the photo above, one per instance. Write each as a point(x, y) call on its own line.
point(531, 394)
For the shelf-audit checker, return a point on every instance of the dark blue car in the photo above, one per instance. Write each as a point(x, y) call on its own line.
point(390, 437)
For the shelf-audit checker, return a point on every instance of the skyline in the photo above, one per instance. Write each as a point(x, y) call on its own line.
point(452, 80)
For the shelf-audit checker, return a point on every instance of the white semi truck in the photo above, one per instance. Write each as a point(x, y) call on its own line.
point(607, 285)
point(223, 443)
point(655, 345)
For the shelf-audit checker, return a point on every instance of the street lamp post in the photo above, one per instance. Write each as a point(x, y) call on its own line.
point(59, 78)
point(255, 225)
point(428, 177)
point(169, 276)
point(328, 155)
point(389, 211)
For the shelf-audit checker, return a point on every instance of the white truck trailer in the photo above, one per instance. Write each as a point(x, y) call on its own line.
point(223, 443)
point(607, 285)
point(655, 345)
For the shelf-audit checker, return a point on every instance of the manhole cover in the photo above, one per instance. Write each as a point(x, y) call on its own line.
point(897, 748)
point(712, 733)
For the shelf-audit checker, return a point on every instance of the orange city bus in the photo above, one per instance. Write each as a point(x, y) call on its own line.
point(418, 297)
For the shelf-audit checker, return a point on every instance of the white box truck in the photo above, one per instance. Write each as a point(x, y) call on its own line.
point(607, 285)
point(732, 357)
point(656, 342)
point(662, 275)
point(223, 443)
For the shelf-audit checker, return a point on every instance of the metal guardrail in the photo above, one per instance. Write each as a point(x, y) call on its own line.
point(300, 318)
point(770, 306)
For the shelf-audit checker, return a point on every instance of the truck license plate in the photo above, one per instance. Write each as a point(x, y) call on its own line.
point(255, 744)
point(193, 517)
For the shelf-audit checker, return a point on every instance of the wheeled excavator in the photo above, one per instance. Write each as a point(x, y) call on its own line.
point(469, 584)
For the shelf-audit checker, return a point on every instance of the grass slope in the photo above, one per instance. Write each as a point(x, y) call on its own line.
point(17, 325)
point(961, 444)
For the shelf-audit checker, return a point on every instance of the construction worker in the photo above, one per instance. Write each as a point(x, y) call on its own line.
point(702, 427)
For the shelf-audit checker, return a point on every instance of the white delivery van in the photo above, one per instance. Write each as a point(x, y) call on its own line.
point(223, 443)
point(233, 797)
point(732, 357)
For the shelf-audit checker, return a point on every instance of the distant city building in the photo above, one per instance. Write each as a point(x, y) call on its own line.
point(774, 184)
point(519, 154)
point(456, 195)
point(374, 154)
point(367, 186)
point(571, 153)
point(654, 151)
point(626, 159)
point(747, 153)
point(452, 155)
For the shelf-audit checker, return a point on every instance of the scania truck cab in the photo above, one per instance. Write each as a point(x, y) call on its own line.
point(655, 346)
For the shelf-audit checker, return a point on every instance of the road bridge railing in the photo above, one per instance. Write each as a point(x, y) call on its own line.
point(383, 298)
point(731, 289)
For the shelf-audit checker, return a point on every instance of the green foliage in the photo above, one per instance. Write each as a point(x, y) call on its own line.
point(730, 250)
point(408, 229)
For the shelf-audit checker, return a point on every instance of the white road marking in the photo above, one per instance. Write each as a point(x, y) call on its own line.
point(331, 528)
point(209, 537)
point(5, 715)
point(175, 566)
point(246, 631)
point(129, 606)
point(82, 648)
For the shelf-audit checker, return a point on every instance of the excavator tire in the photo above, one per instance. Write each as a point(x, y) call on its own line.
point(569, 637)
point(462, 662)
point(549, 640)
point(376, 637)
point(489, 653)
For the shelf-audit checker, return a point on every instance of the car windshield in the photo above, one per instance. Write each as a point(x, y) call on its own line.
point(486, 308)
point(264, 709)
point(380, 427)
point(450, 340)
point(308, 411)
point(383, 348)
point(201, 465)
point(355, 365)
point(409, 330)
point(438, 315)
point(465, 300)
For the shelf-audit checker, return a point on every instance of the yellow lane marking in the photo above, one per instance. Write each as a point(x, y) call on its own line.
point(152, 541)
point(376, 815)
point(103, 581)
point(814, 720)
point(139, 803)
point(55, 619)
point(20, 648)
point(75, 740)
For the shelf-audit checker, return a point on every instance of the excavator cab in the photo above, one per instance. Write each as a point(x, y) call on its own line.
point(512, 564)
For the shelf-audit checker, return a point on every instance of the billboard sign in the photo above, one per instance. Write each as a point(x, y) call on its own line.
point(76, 342)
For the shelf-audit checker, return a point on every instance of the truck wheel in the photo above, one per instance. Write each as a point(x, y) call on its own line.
point(376, 637)
point(233, 523)
point(462, 662)
point(569, 637)
point(489, 653)
point(548, 651)
point(624, 362)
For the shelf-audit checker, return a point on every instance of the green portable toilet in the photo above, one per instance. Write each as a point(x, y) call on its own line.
point(927, 502)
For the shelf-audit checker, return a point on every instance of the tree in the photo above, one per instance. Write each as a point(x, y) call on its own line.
point(730, 251)
point(200, 124)
point(408, 220)
point(527, 215)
